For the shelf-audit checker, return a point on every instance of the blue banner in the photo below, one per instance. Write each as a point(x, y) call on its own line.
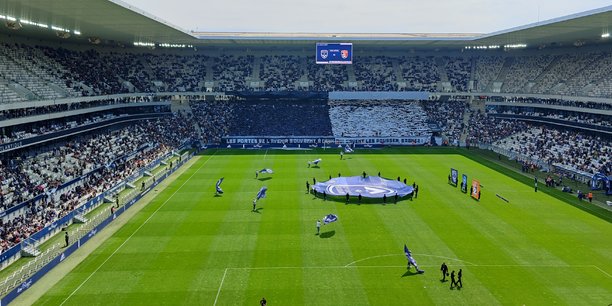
point(368, 187)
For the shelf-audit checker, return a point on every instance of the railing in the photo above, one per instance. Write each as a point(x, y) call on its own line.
point(566, 171)
point(21, 279)
point(12, 254)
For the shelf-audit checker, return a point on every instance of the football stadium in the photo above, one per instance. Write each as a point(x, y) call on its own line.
point(235, 164)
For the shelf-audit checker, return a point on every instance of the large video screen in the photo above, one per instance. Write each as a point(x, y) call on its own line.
point(334, 53)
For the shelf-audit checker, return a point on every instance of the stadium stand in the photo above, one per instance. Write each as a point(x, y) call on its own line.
point(570, 117)
point(60, 72)
point(558, 102)
point(231, 72)
point(32, 73)
point(483, 129)
point(279, 118)
point(327, 77)
point(569, 149)
point(419, 73)
point(448, 115)
point(212, 119)
point(523, 72)
point(351, 118)
point(458, 70)
point(280, 73)
point(107, 157)
point(487, 70)
point(375, 74)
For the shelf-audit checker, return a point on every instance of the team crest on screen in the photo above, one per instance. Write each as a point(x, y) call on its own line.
point(344, 54)
point(324, 54)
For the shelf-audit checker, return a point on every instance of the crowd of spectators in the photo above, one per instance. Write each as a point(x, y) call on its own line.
point(419, 73)
point(560, 147)
point(280, 73)
point(487, 71)
point(105, 153)
point(524, 70)
point(51, 126)
point(231, 72)
point(558, 102)
point(177, 73)
point(375, 73)
point(57, 108)
point(579, 83)
point(213, 119)
point(483, 129)
point(31, 68)
point(582, 152)
point(571, 117)
point(562, 69)
point(51, 73)
point(448, 115)
point(458, 71)
point(279, 118)
point(327, 77)
point(102, 72)
point(351, 118)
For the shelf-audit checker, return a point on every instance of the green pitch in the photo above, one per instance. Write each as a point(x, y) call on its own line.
point(190, 247)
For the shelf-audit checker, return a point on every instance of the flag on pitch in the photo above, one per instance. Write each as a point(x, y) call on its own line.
point(316, 161)
point(348, 149)
point(330, 218)
point(218, 186)
point(261, 193)
point(407, 252)
point(265, 171)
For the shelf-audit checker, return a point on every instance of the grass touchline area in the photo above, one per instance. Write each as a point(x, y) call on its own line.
point(189, 246)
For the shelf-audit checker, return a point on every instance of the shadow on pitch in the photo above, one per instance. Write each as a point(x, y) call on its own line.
point(258, 210)
point(327, 234)
point(410, 273)
point(264, 178)
point(354, 201)
point(217, 195)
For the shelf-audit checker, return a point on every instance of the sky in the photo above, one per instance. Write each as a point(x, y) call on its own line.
point(359, 16)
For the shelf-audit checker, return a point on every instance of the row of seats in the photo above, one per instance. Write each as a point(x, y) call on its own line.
point(570, 149)
point(51, 73)
point(43, 170)
point(378, 119)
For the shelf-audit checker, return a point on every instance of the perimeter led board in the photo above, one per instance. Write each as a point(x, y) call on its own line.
point(336, 53)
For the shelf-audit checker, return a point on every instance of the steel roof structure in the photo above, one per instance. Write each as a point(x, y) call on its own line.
point(113, 21)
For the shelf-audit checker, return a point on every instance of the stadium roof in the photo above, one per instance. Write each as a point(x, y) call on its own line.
point(113, 21)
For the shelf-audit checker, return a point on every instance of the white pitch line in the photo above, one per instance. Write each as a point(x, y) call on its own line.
point(403, 266)
point(128, 238)
point(602, 271)
point(220, 285)
point(427, 255)
point(350, 266)
point(266, 154)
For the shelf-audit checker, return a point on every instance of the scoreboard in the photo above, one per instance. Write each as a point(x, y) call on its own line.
point(334, 53)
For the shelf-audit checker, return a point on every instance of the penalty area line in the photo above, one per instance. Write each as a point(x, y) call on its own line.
point(397, 254)
point(128, 238)
point(472, 265)
point(220, 285)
